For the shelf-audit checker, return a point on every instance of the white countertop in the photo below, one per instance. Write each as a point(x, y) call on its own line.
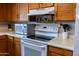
point(11, 34)
point(62, 43)
point(57, 42)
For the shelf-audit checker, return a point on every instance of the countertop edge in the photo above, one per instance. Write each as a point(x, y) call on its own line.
point(53, 44)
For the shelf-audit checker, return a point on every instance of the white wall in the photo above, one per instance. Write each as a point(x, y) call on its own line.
point(76, 38)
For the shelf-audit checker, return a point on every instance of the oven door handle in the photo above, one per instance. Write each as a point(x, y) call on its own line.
point(33, 44)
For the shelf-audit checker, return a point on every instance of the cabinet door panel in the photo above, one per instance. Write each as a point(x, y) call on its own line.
point(53, 54)
point(66, 6)
point(45, 5)
point(65, 12)
point(17, 51)
point(23, 9)
point(60, 51)
point(34, 6)
point(11, 45)
point(17, 47)
point(2, 12)
point(9, 12)
point(66, 15)
point(14, 47)
point(19, 12)
point(3, 45)
point(15, 12)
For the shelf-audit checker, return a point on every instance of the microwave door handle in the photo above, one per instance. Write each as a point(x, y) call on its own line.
point(33, 44)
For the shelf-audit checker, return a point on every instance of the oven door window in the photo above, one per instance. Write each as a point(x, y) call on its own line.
point(32, 48)
point(31, 52)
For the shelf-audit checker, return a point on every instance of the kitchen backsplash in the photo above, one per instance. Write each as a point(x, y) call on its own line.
point(3, 27)
point(72, 24)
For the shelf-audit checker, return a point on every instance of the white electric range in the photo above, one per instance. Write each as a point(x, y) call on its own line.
point(35, 43)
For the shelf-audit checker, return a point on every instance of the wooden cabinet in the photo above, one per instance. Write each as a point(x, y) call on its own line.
point(55, 51)
point(45, 5)
point(9, 12)
point(17, 47)
point(34, 6)
point(12, 14)
point(14, 46)
point(23, 9)
point(10, 45)
point(3, 46)
point(15, 12)
point(2, 12)
point(65, 11)
point(40, 5)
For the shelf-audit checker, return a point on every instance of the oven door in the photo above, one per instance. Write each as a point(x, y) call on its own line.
point(28, 49)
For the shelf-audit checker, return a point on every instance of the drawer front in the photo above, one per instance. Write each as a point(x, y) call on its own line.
point(53, 54)
point(46, 5)
point(60, 51)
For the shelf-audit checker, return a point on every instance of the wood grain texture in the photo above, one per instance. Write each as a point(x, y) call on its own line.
point(15, 12)
point(59, 51)
point(17, 47)
point(46, 5)
point(19, 12)
point(2, 12)
point(53, 54)
point(65, 12)
point(34, 6)
point(3, 45)
point(9, 12)
point(23, 9)
point(10, 45)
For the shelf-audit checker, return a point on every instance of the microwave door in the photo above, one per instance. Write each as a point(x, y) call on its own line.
point(19, 28)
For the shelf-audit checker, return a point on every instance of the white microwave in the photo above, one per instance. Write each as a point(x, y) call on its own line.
point(21, 29)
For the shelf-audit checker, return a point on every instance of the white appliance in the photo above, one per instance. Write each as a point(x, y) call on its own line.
point(21, 29)
point(37, 46)
point(42, 11)
point(33, 48)
point(47, 30)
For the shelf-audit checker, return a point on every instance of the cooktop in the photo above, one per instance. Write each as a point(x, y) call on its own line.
point(40, 38)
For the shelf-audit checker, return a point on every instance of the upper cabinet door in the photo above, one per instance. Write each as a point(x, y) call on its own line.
point(23, 9)
point(66, 6)
point(65, 11)
point(34, 6)
point(9, 12)
point(15, 12)
point(45, 5)
point(2, 12)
